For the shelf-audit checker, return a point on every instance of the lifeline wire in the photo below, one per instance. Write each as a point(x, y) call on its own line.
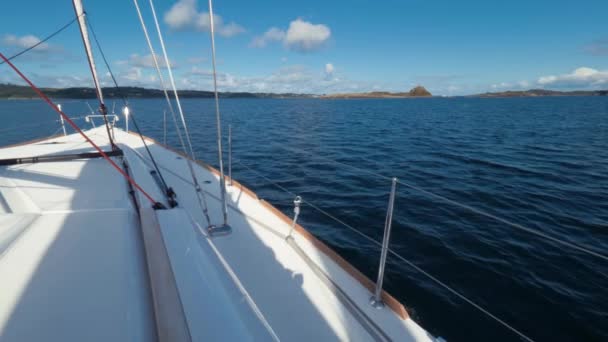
point(417, 268)
point(579, 247)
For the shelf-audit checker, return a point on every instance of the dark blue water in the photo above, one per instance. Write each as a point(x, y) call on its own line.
point(540, 162)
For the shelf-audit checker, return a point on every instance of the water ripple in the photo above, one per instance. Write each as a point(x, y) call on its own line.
point(541, 162)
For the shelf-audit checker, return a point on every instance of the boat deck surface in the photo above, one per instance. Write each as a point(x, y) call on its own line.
point(73, 267)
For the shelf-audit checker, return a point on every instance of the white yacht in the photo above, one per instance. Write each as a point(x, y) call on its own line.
point(108, 235)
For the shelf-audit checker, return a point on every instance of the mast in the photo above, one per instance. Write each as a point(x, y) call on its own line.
point(81, 15)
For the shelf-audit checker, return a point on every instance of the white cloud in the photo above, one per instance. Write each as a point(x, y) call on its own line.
point(501, 85)
point(301, 36)
point(453, 89)
point(510, 85)
point(304, 36)
point(24, 42)
point(288, 79)
point(203, 78)
point(272, 35)
point(291, 76)
point(134, 74)
point(45, 80)
point(582, 77)
point(196, 60)
point(184, 15)
point(147, 61)
point(329, 71)
point(201, 72)
point(579, 79)
point(181, 15)
point(230, 29)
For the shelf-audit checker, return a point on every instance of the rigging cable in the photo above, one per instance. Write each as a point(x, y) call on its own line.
point(202, 200)
point(155, 204)
point(411, 264)
point(218, 122)
point(42, 41)
point(168, 190)
point(162, 81)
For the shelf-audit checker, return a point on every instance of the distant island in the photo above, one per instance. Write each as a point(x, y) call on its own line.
point(418, 91)
point(542, 92)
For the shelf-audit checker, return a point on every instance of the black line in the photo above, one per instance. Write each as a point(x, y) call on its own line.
point(42, 41)
point(58, 158)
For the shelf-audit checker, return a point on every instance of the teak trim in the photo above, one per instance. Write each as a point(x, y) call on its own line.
point(388, 299)
point(171, 321)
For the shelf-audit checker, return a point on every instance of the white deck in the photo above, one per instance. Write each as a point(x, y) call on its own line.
point(72, 265)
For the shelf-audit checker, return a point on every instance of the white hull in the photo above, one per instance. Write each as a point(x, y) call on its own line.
point(73, 262)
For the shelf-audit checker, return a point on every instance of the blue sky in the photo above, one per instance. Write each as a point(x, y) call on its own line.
point(450, 47)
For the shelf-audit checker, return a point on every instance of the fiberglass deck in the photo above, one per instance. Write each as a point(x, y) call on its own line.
point(71, 254)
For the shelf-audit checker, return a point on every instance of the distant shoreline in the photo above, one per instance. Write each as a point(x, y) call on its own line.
point(541, 93)
point(17, 92)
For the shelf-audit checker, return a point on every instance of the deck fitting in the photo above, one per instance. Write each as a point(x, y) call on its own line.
point(378, 304)
point(222, 230)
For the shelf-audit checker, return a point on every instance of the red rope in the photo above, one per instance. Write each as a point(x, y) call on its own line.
point(66, 118)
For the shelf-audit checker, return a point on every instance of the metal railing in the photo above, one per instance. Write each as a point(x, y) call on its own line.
point(376, 299)
point(62, 121)
point(384, 245)
point(230, 154)
point(579, 247)
point(89, 118)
